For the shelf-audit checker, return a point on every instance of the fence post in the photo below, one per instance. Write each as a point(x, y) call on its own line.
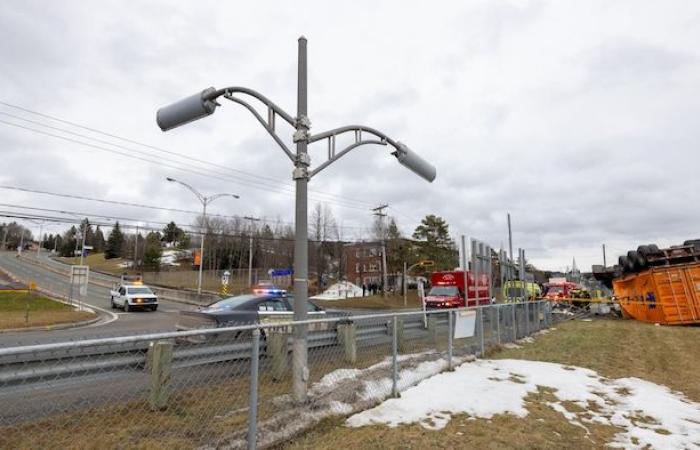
point(394, 359)
point(515, 323)
point(277, 350)
point(160, 358)
point(347, 337)
point(527, 319)
point(481, 329)
point(450, 322)
point(432, 327)
point(253, 398)
point(498, 324)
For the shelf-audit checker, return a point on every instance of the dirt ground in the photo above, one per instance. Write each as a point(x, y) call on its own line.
point(22, 310)
point(376, 302)
point(614, 348)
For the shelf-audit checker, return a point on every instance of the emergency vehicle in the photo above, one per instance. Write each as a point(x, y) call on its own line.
point(130, 293)
point(447, 290)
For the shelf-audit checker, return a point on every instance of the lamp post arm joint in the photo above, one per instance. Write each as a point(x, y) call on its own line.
point(269, 125)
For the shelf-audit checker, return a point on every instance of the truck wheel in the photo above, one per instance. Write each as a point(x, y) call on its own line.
point(154, 308)
point(633, 260)
point(126, 306)
point(624, 263)
point(111, 302)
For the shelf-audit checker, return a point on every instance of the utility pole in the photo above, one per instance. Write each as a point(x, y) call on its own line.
point(41, 239)
point(4, 238)
point(604, 263)
point(21, 242)
point(510, 240)
point(250, 249)
point(136, 246)
point(379, 212)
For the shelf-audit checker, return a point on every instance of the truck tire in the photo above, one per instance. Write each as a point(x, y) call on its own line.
point(154, 308)
point(622, 262)
point(633, 261)
point(111, 303)
point(126, 306)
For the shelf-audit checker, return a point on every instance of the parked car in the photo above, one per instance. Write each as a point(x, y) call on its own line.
point(248, 309)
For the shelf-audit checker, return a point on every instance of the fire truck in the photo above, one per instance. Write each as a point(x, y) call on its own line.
point(447, 290)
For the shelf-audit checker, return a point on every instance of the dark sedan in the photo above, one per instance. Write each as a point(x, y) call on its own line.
point(245, 310)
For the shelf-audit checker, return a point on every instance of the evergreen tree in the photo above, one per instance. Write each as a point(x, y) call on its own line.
point(173, 233)
point(69, 242)
point(98, 240)
point(435, 242)
point(113, 248)
point(152, 251)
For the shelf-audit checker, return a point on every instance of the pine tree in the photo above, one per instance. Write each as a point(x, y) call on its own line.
point(436, 243)
point(153, 251)
point(113, 249)
point(98, 240)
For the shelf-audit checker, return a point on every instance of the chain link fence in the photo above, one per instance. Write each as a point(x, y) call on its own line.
point(232, 387)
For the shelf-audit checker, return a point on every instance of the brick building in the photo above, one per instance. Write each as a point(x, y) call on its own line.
point(363, 263)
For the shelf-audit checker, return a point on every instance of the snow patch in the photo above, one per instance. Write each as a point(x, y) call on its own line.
point(648, 414)
point(340, 291)
point(512, 346)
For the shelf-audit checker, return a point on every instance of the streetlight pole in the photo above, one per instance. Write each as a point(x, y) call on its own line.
point(41, 239)
point(204, 104)
point(205, 201)
point(250, 249)
point(379, 212)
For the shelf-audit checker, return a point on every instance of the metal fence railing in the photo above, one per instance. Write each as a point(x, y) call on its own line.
point(231, 387)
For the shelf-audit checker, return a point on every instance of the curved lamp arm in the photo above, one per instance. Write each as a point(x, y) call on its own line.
point(201, 198)
point(211, 198)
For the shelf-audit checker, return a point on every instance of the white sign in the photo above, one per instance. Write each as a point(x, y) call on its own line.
point(465, 324)
point(79, 278)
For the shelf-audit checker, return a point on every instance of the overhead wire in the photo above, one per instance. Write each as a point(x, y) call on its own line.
point(339, 199)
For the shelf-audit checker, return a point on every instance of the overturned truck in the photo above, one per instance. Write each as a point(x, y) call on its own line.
point(660, 285)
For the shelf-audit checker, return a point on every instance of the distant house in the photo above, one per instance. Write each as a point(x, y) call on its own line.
point(363, 262)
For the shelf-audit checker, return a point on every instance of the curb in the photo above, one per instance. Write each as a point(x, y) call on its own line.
point(57, 327)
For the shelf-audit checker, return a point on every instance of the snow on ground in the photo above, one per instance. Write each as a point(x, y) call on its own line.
point(648, 414)
point(339, 291)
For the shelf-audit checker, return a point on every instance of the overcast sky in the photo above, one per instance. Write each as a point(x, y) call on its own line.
point(578, 118)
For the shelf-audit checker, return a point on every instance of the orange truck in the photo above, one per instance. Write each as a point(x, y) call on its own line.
point(661, 285)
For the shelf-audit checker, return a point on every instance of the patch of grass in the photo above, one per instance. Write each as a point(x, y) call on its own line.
point(375, 302)
point(666, 355)
point(22, 310)
point(97, 261)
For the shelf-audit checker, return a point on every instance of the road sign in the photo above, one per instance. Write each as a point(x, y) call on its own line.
point(465, 324)
point(79, 277)
point(280, 272)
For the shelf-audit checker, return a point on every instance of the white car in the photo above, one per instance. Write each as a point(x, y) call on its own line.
point(133, 296)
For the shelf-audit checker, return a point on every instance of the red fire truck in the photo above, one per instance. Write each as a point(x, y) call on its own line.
point(447, 290)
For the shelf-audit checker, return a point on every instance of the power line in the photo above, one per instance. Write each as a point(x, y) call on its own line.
point(190, 230)
point(139, 205)
point(158, 149)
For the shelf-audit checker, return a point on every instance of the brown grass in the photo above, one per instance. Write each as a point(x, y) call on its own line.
point(665, 355)
point(23, 310)
point(375, 302)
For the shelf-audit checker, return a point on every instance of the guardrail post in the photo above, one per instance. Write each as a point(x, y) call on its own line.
point(432, 327)
point(347, 337)
point(450, 322)
point(394, 358)
point(159, 360)
point(278, 352)
point(253, 398)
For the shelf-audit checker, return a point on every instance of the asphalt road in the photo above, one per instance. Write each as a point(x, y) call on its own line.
point(112, 323)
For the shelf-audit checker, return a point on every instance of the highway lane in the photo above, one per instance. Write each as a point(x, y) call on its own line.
point(136, 322)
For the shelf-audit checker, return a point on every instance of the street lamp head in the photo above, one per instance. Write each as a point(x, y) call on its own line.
point(415, 163)
point(187, 110)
